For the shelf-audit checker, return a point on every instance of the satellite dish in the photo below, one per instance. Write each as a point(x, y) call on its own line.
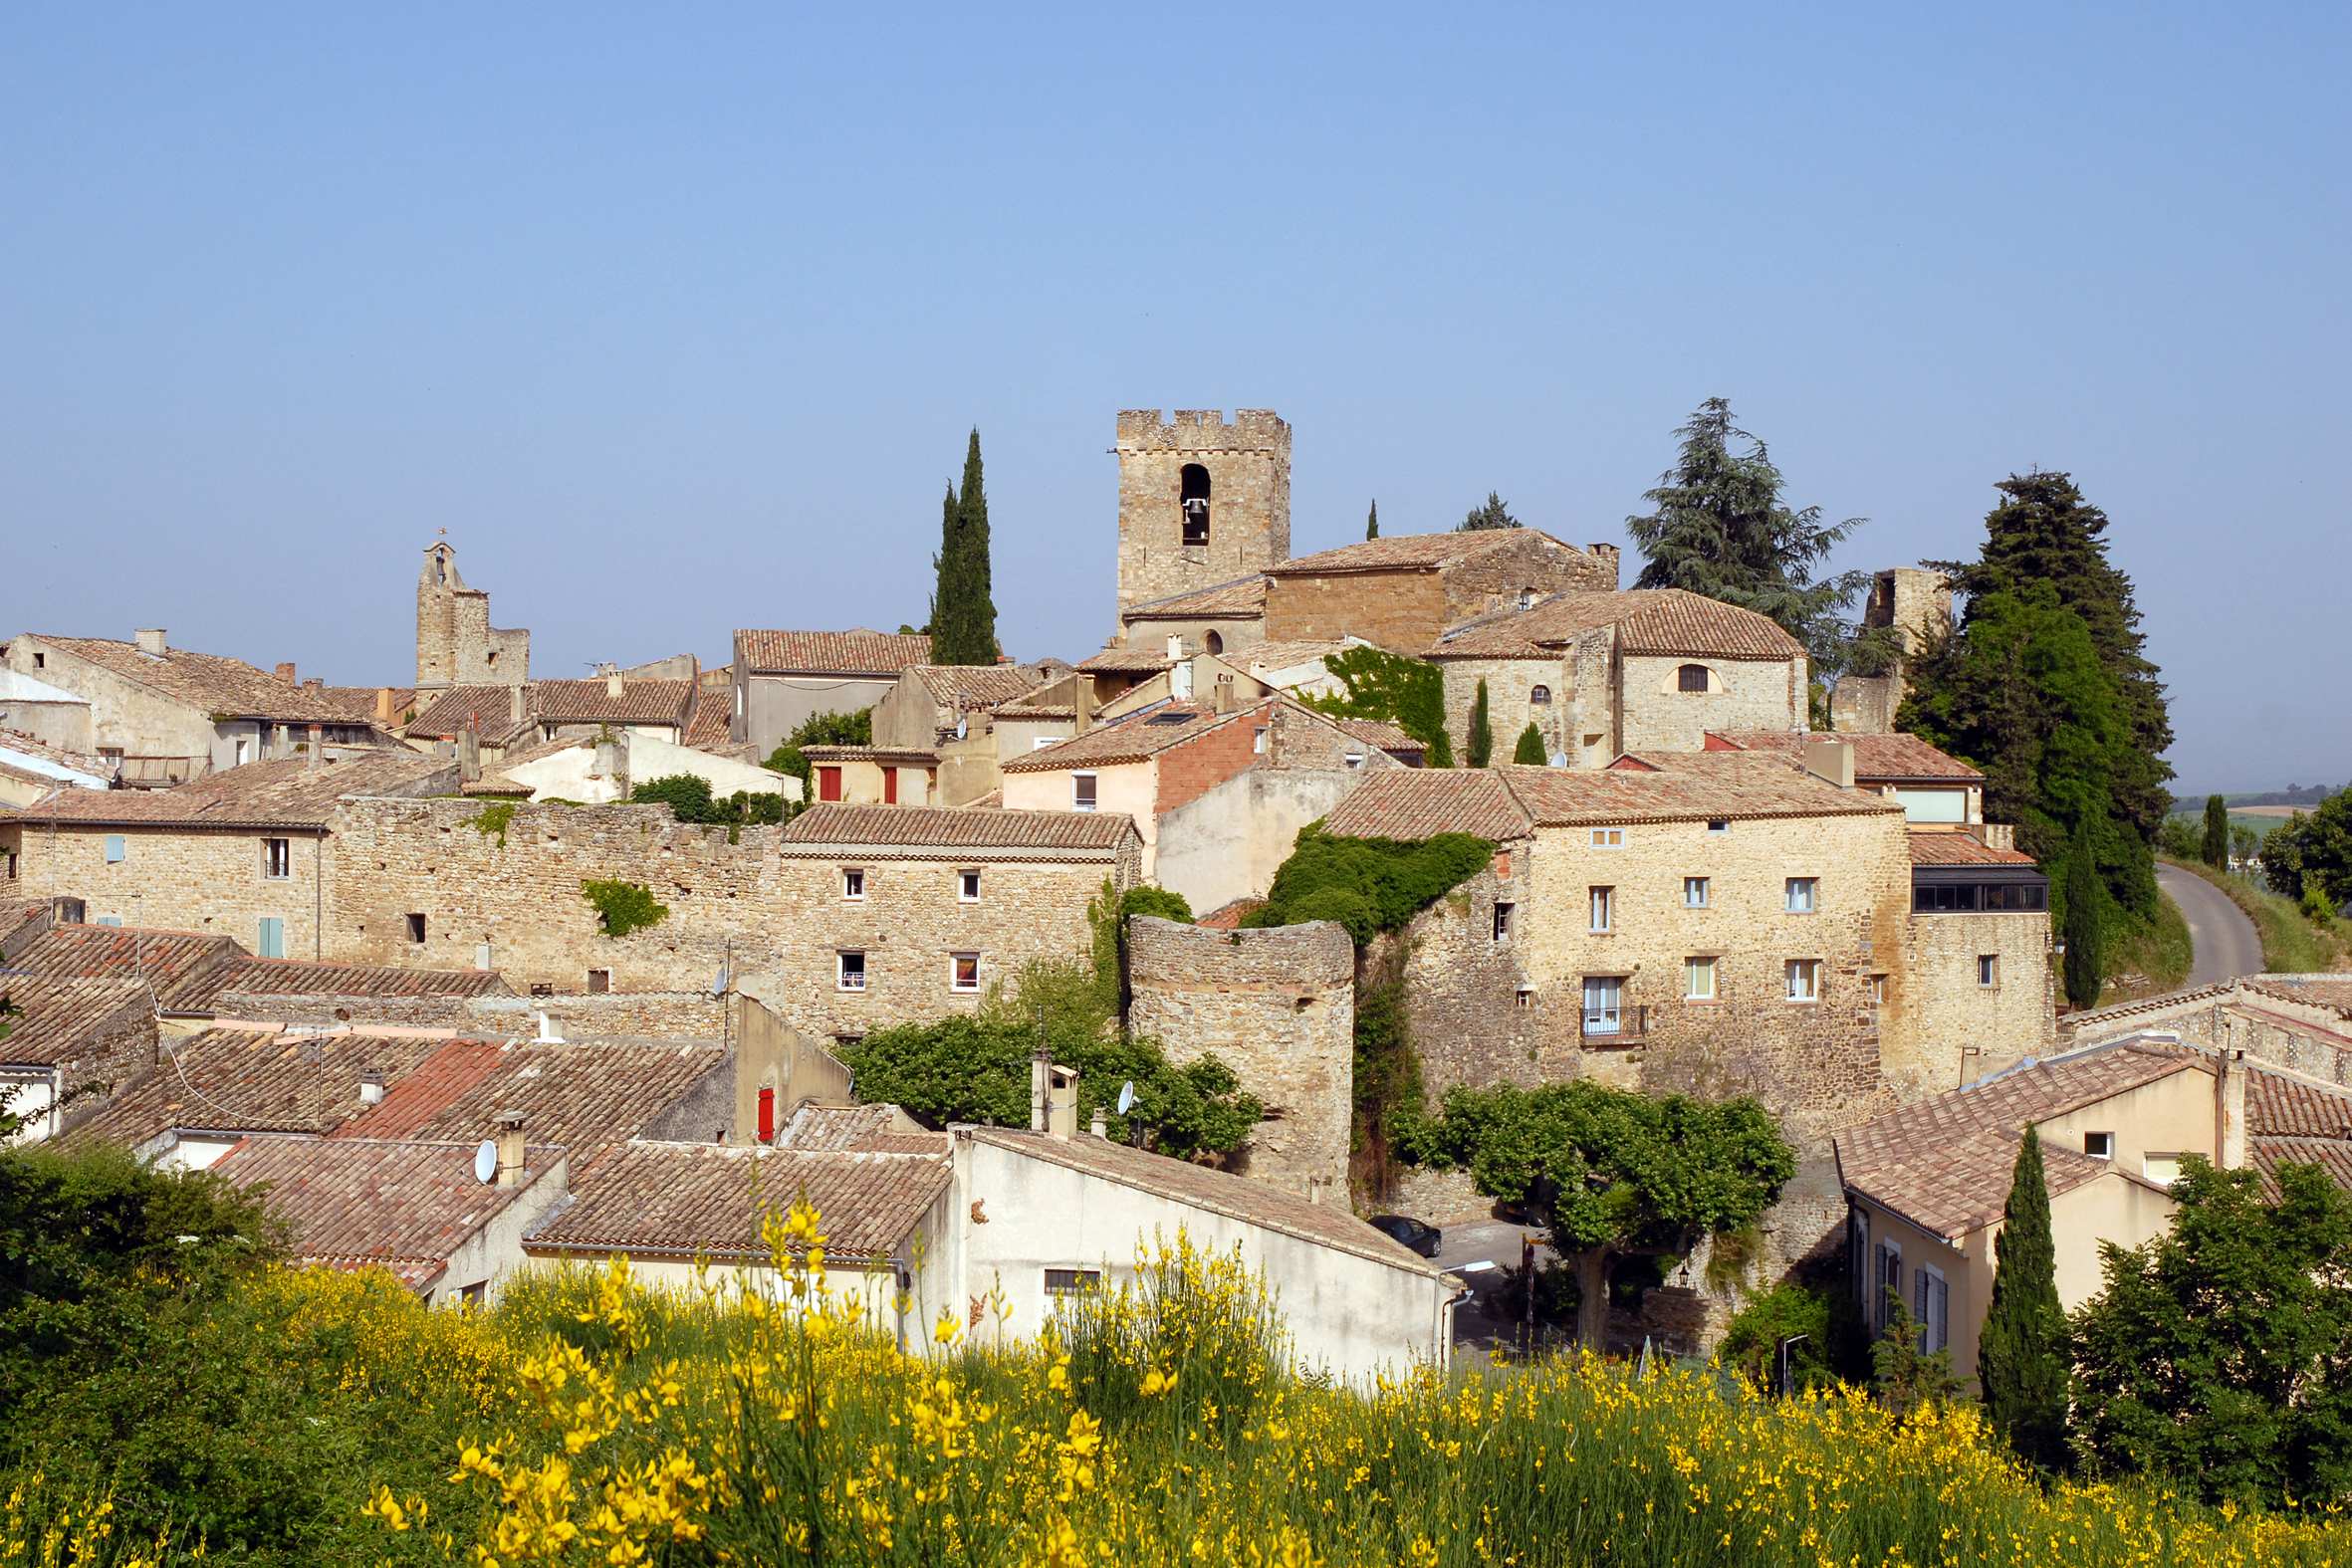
point(719, 986)
point(1127, 1096)
point(1560, 758)
point(486, 1162)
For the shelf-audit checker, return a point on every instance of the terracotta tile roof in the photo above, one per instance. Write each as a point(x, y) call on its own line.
point(906, 754)
point(488, 710)
point(714, 711)
point(1135, 736)
point(1960, 849)
point(1377, 732)
point(582, 1096)
point(1648, 621)
point(1946, 1163)
point(2277, 1107)
point(825, 828)
point(1504, 802)
point(61, 1012)
point(303, 977)
point(207, 681)
point(1409, 552)
point(2323, 991)
point(1271, 657)
point(1198, 1187)
point(1877, 758)
point(830, 652)
point(685, 1198)
point(50, 765)
point(878, 1129)
point(16, 913)
point(235, 1077)
point(2333, 1155)
point(1139, 660)
point(360, 1203)
point(1228, 917)
point(980, 685)
point(287, 793)
point(591, 702)
point(1242, 599)
point(177, 964)
point(357, 704)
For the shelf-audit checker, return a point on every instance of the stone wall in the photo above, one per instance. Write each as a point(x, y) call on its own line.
point(2305, 1038)
point(1948, 1011)
point(181, 878)
point(456, 643)
point(1402, 611)
point(1277, 1006)
point(1753, 695)
point(1249, 467)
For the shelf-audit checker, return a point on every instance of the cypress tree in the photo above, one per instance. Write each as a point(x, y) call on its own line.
point(963, 613)
point(1482, 732)
point(2217, 831)
point(2024, 1355)
point(2086, 958)
point(1530, 748)
point(1372, 523)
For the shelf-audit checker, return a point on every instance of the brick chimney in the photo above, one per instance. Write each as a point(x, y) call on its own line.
point(151, 643)
point(510, 1149)
point(285, 673)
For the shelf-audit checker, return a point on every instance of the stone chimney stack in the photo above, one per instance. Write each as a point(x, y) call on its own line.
point(514, 705)
point(469, 754)
point(2230, 1110)
point(151, 643)
point(1061, 1111)
point(510, 1147)
point(316, 755)
point(1220, 690)
point(285, 673)
point(371, 1086)
point(383, 706)
point(1101, 1126)
point(613, 686)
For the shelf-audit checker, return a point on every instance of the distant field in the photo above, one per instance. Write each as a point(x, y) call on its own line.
point(2277, 812)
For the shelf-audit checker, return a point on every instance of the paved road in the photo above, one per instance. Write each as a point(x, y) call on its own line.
point(2226, 945)
point(1485, 1240)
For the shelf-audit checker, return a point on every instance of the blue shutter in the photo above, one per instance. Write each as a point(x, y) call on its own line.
point(272, 943)
point(113, 847)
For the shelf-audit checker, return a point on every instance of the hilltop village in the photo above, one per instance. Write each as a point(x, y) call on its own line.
point(433, 960)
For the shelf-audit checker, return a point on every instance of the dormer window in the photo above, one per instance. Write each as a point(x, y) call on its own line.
point(1691, 678)
point(1193, 492)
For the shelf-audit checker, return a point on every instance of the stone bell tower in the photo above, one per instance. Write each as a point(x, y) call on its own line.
point(456, 643)
point(1200, 501)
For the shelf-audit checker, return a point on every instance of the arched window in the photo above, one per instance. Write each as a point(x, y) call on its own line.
point(1213, 642)
point(1540, 696)
point(1692, 678)
point(1194, 493)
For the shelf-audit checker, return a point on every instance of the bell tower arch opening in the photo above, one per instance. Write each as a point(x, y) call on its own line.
point(1203, 500)
point(1193, 491)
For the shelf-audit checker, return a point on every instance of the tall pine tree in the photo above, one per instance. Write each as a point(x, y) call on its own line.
point(2084, 931)
point(1530, 748)
point(963, 612)
point(1481, 749)
point(2217, 831)
point(2024, 1352)
point(1372, 523)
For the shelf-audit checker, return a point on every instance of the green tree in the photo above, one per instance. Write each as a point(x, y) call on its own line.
point(1492, 514)
point(2042, 531)
point(820, 729)
point(2020, 693)
point(1368, 885)
point(2217, 832)
point(2303, 852)
point(1372, 522)
point(1721, 529)
point(1408, 693)
point(2082, 924)
point(1622, 1174)
point(2021, 1352)
point(1529, 752)
point(1835, 1347)
point(1480, 748)
point(689, 799)
point(2216, 1352)
point(2182, 837)
point(963, 613)
point(1904, 1375)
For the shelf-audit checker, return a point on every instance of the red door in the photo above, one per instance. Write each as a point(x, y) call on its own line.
point(890, 786)
point(829, 784)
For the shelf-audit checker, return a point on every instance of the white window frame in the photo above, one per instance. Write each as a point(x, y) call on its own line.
point(968, 885)
point(277, 860)
point(853, 884)
point(1504, 910)
point(1608, 839)
point(955, 980)
point(1258, 741)
point(1804, 979)
point(1602, 906)
point(1693, 969)
point(1803, 895)
point(2106, 1149)
point(1604, 1004)
point(1084, 800)
point(1694, 885)
point(1989, 971)
point(1719, 825)
point(844, 974)
point(1355, 759)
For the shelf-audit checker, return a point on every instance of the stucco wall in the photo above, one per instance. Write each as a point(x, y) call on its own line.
point(777, 705)
point(490, 1256)
point(133, 718)
point(1227, 842)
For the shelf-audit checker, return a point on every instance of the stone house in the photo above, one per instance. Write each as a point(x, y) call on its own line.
point(2299, 1022)
point(47, 714)
point(875, 775)
point(30, 768)
point(594, 772)
point(242, 853)
point(784, 678)
point(1602, 674)
point(1218, 792)
point(1931, 787)
point(1927, 1185)
point(506, 720)
point(1406, 592)
point(1203, 502)
point(1228, 617)
point(931, 702)
point(165, 716)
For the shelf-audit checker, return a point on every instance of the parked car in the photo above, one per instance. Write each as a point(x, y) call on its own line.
point(1408, 1231)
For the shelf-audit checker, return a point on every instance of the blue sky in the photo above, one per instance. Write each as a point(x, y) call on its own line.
point(676, 319)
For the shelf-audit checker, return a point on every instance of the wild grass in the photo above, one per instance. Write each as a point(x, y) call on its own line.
point(585, 1420)
point(2292, 944)
point(2150, 960)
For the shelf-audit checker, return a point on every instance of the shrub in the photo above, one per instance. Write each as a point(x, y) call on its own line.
point(625, 906)
point(1529, 751)
point(690, 800)
point(1835, 1348)
point(1389, 880)
point(822, 728)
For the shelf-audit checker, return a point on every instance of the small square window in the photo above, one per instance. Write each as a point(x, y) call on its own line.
point(1503, 914)
point(277, 858)
point(1081, 792)
point(1604, 907)
point(599, 982)
point(2100, 1146)
point(1608, 839)
point(416, 928)
point(1072, 1281)
point(1698, 976)
point(853, 971)
point(964, 968)
point(1258, 740)
point(1987, 969)
point(113, 848)
point(1719, 824)
point(1526, 997)
point(1355, 759)
point(968, 887)
point(1693, 892)
point(1804, 979)
point(853, 882)
point(1801, 895)
point(1875, 989)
